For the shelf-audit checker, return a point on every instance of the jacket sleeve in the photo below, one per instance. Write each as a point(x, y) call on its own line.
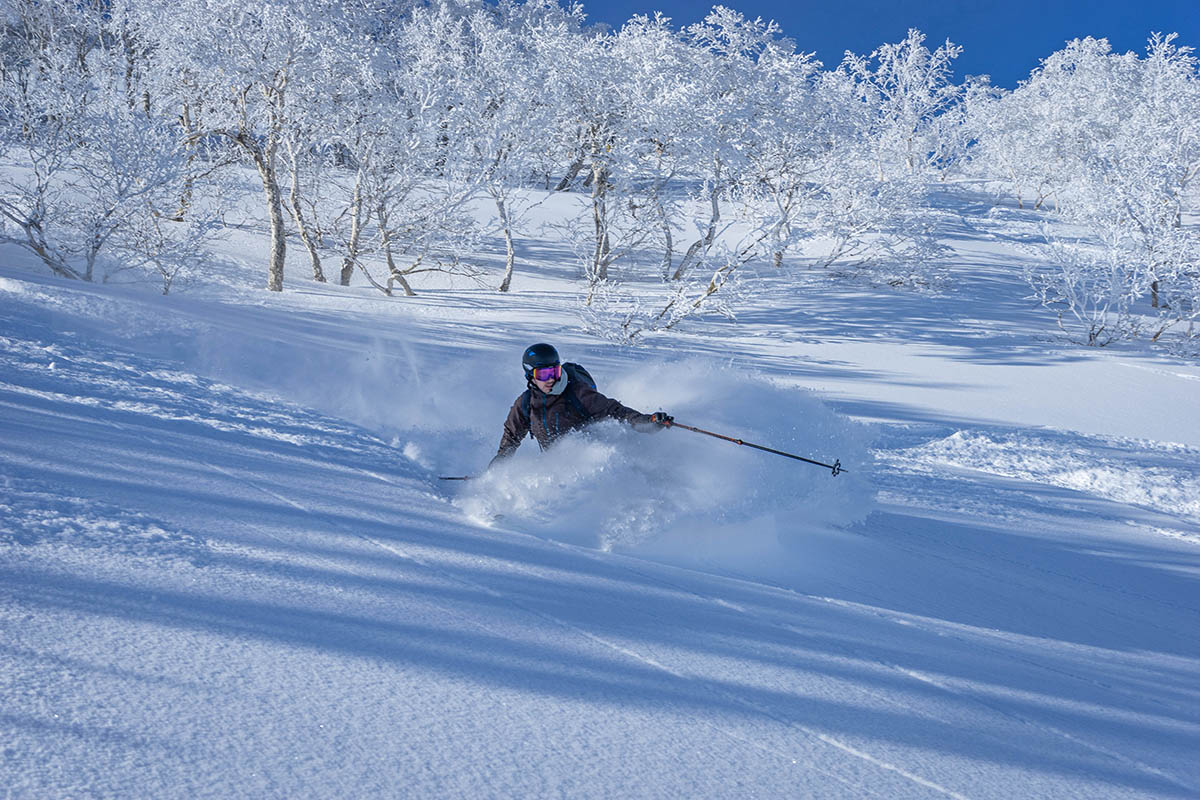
point(516, 427)
point(597, 405)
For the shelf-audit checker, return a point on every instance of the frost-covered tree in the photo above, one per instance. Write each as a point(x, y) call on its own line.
point(247, 72)
point(781, 157)
point(411, 172)
point(507, 88)
point(1160, 175)
point(1089, 285)
point(723, 47)
point(45, 93)
point(96, 161)
point(709, 153)
point(1038, 136)
point(870, 213)
point(1122, 154)
point(654, 141)
point(642, 176)
point(909, 87)
point(588, 116)
point(743, 142)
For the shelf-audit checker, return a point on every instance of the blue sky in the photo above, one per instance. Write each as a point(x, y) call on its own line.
point(1001, 38)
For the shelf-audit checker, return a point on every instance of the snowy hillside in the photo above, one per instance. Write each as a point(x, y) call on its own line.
point(228, 567)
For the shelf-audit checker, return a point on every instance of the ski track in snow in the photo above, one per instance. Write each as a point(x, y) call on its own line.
point(966, 693)
point(1006, 654)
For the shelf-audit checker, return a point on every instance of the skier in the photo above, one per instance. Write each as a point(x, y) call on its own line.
point(561, 398)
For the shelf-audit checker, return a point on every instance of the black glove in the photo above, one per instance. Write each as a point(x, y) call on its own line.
point(662, 418)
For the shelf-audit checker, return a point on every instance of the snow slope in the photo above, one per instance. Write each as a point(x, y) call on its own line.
point(228, 569)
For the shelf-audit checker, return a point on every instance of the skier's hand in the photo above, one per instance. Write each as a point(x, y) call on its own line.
point(662, 418)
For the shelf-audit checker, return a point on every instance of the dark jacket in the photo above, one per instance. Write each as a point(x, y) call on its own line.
point(553, 415)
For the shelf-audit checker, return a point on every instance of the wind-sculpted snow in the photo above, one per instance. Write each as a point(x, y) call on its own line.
point(34, 514)
point(1160, 476)
point(685, 496)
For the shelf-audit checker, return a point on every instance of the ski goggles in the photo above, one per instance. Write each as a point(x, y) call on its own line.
point(547, 373)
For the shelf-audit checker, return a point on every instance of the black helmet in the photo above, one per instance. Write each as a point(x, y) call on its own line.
point(538, 355)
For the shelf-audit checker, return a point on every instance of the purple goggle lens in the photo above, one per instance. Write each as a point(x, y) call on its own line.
point(547, 373)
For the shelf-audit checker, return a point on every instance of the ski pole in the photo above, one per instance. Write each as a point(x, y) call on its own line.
point(455, 477)
point(835, 467)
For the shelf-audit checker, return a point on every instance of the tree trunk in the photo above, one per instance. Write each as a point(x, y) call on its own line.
point(264, 159)
point(668, 242)
point(603, 249)
point(510, 250)
point(314, 256)
point(572, 172)
point(56, 265)
point(35, 239)
point(101, 231)
point(89, 261)
point(356, 224)
point(268, 168)
point(1016, 188)
point(385, 238)
point(396, 276)
point(185, 199)
point(706, 242)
